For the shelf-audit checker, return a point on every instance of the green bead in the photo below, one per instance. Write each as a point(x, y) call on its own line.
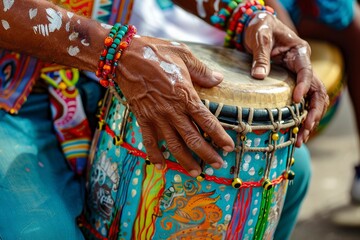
point(109, 56)
point(117, 41)
point(124, 28)
point(117, 25)
point(121, 33)
point(111, 51)
point(114, 45)
point(233, 4)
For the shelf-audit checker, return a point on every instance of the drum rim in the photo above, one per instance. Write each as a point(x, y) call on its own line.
point(261, 116)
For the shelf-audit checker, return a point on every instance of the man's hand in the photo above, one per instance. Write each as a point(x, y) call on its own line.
point(268, 38)
point(156, 78)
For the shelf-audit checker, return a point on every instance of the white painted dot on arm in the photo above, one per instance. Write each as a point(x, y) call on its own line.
point(73, 36)
point(73, 50)
point(8, 4)
point(33, 13)
point(5, 24)
point(85, 43)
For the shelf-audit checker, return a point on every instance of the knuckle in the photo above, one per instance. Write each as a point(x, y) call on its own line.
point(209, 124)
point(174, 145)
point(193, 142)
point(149, 142)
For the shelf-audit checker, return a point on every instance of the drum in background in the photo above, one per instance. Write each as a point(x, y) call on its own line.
point(128, 198)
point(328, 64)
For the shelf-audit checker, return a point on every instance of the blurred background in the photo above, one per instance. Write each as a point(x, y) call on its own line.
point(334, 153)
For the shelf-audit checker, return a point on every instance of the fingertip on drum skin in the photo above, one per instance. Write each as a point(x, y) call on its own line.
point(218, 77)
point(259, 72)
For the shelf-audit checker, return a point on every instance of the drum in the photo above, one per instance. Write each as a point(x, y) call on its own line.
point(128, 198)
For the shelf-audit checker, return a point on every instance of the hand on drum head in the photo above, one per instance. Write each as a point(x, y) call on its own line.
point(268, 38)
point(156, 78)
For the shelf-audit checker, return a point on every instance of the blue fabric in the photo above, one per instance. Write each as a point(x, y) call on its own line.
point(40, 196)
point(335, 13)
point(295, 194)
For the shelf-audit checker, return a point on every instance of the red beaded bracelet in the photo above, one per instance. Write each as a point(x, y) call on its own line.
point(114, 45)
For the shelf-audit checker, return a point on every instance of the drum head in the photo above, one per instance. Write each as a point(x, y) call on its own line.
point(238, 87)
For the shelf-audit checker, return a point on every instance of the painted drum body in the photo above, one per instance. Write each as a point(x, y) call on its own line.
point(128, 198)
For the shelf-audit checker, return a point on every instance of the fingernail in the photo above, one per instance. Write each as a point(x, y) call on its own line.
point(218, 76)
point(306, 135)
point(217, 165)
point(228, 149)
point(158, 166)
point(312, 126)
point(259, 71)
point(194, 173)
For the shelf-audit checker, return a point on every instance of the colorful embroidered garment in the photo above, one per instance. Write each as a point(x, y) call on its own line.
point(18, 74)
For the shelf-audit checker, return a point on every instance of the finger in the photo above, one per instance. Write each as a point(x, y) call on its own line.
point(195, 141)
point(303, 83)
point(150, 142)
point(317, 108)
point(179, 150)
point(200, 73)
point(297, 60)
point(211, 126)
point(261, 53)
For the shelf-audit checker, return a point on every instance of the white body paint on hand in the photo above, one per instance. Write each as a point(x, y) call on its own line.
point(5, 24)
point(8, 4)
point(170, 68)
point(175, 43)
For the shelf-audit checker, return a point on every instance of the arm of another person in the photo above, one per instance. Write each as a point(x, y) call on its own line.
point(267, 38)
point(155, 76)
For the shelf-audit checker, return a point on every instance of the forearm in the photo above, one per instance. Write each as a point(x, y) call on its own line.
point(48, 32)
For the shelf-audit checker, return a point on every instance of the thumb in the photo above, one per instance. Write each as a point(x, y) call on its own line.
point(201, 74)
point(261, 61)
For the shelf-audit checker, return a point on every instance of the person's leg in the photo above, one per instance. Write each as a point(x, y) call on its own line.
point(295, 194)
point(40, 196)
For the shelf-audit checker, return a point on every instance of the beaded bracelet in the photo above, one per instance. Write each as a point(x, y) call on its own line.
point(240, 19)
point(114, 45)
point(220, 18)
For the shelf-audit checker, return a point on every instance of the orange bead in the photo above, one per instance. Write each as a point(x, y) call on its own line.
point(108, 41)
point(107, 67)
point(123, 45)
point(249, 11)
point(117, 56)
